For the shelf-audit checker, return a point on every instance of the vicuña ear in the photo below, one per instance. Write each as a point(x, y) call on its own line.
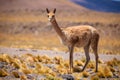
point(54, 10)
point(47, 10)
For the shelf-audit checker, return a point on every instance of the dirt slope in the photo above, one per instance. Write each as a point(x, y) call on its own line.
point(37, 4)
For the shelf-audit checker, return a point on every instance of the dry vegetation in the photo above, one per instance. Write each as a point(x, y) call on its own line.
point(28, 66)
point(51, 42)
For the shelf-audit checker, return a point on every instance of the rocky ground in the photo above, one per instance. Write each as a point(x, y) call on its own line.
point(29, 64)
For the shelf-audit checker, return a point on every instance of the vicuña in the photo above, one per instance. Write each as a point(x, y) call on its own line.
point(77, 36)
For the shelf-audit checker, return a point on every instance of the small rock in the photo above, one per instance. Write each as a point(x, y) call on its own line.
point(68, 77)
point(2, 64)
point(30, 76)
point(22, 50)
point(34, 50)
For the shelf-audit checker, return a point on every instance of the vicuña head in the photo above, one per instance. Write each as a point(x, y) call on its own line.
point(77, 36)
point(51, 15)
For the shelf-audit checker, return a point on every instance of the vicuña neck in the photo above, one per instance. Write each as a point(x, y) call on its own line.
point(57, 29)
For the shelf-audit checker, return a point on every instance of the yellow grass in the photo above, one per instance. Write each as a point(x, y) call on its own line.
point(85, 74)
point(51, 42)
point(16, 74)
point(64, 16)
point(24, 18)
point(94, 77)
point(3, 73)
point(109, 45)
point(105, 71)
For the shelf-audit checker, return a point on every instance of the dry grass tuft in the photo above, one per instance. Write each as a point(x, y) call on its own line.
point(46, 59)
point(1, 58)
point(104, 71)
point(101, 74)
point(77, 76)
point(85, 74)
point(3, 73)
point(8, 58)
point(78, 63)
point(25, 70)
point(83, 59)
point(16, 63)
point(113, 62)
point(91, 64)
point(38, 66)
point(95, 77)
point(58, 60)
point(66, 63)
point(112, 69)
point(16, 74)
point(23, 77)
point(108, 72)
point(61, 69)
point(100, 61)
point(29, 58)
point(39, 58)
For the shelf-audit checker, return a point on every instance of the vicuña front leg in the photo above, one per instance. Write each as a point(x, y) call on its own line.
point(71, 58)
point(86, 49)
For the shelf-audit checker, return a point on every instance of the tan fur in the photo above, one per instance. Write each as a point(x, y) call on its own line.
point(81, 33)
point(77, 36)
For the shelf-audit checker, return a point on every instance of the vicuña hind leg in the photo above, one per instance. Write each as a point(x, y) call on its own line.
point(86, 49)
point(94, 45)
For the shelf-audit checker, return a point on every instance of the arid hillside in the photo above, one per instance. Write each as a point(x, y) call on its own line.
point(36, 5)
